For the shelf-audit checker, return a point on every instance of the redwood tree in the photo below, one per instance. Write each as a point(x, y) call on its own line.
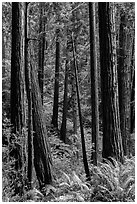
point(56, 85)
point(17, 72)
point(73, 98)
point(65, 102)
point(124, 77)
point(42, 21)
point(42, 155)
point(94, 83)
point(132, 106)
point(86, 167)
point(17, 95)
point(112, 142)
point(28, 91)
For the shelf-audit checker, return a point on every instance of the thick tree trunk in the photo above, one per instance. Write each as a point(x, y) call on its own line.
point(112, 142)
point(56, 85)
point(17, 93)
point(132, 103)
point(17, 73)
point(124, 76)
point(29, 97)
point(94, 83)
point(42, 155)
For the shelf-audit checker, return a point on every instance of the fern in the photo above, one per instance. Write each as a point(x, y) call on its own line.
point(67, 178)
point(114, 182)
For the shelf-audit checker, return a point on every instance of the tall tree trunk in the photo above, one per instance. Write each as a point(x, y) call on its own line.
point(65, 102)
point(3, 46)
point(94, 83)
point(74, 99)
point(29, 96)
point(74, 21)
point(80, 114)
point(17, 73)
point(56, 85)
point(17, 92)
point(112, 142)
point(41, 48)
point(124, 76)
point(42, 155)
point(132, 106)
point(3, 69)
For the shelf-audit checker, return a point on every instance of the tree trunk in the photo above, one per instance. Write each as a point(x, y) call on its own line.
point(42, 155)
point(41, 49)
point(17, 73)
point(17, 93)
point(80, 114)
point(94, 83)
point(124, 77)
point(3, 69)
point(56, 86)
point(17, 80)
point(65, 102)
point(132, 106)
point(29, 97)
point(74, 99)
point(112, 142)
point(74, 21)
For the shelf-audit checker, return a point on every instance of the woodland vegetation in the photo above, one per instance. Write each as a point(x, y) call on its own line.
point(68, 101)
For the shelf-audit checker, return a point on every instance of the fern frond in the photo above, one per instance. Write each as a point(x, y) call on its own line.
point(79, 198)
point(130, 161)
point(127, 173)
point(105, 190)
point(85, 187)
point(107, 161)
point(131, 190)
point(108, 180)
point(67, 177)
point(76, 179)
point(128, 182)
point(64, 184)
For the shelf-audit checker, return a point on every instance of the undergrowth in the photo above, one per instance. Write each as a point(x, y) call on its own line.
point(114, 182)
point(109, 182)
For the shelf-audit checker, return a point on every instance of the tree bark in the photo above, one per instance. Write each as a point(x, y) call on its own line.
point(112, 142)
point(56, 85)
point(74, 20)
point(132, 106)
point(42, 155)
point(3, 69)
point(17, 73)
point(132, 103)
point(124, 77)
point(74, 99)
point(17, 93)
point(29, 96)
point(94, 83)
point(65, 102)
point(41, 49)
point(80, 114)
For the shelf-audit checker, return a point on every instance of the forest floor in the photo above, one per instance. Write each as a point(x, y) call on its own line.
point(70, 180)
point(108, 183)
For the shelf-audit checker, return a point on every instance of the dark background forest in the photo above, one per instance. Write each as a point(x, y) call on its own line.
point(68, 101)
